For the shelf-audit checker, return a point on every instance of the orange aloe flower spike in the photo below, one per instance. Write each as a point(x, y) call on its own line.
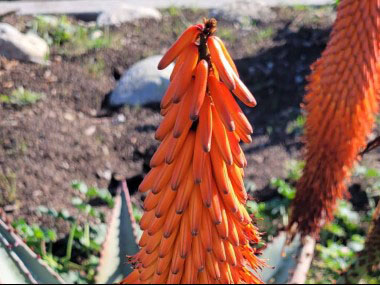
point(196, 228)
point(341, 105)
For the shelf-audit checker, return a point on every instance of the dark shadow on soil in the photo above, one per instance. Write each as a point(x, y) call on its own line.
point(277, 77)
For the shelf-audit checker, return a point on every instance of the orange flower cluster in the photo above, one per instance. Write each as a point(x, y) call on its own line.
point(196, 228)
point(341, 105)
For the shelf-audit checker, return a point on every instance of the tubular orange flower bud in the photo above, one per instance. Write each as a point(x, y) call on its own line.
point(196, 229)
point(199, 89)
point(167, 123)
point(184, 76)
point(187, 38)
point(341, 105)
point(219, 95)
point(205, 124)
point(227, 55)
point(225, 70)
point(198, 158)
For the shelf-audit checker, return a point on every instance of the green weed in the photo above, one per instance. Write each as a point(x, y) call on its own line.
point(174, 11)
point(301, 7)
point(265, 34)
point(70, 38)
point(76, 256)
point(227, 34)
point(21, 97)
point(296, 126)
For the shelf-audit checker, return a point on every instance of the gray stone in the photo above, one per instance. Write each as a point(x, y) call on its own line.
point(143, 83)
point(126, 14)
point(24, 47)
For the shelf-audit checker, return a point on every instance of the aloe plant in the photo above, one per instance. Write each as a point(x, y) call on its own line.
point(121, 241)
point(20, 265)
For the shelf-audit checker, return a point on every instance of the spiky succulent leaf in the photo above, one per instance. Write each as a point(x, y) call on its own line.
point(19, 264)
point(282, 259)
point(10, 272)
point(121, 240)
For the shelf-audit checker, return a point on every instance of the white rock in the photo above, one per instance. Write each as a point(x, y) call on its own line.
point(24, 47)
point(143, 83)
point(90, 131)
point(126, 14)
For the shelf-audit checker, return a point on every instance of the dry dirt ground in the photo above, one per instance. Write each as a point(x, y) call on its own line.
point(63, 137)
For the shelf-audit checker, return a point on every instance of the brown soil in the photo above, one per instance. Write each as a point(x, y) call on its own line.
point(62, 138)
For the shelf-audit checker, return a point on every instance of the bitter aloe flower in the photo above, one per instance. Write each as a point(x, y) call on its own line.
point(196, 228)
point(341, 105)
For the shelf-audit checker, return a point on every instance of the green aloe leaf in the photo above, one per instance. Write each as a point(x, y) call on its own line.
point(19, 264)
point(281, 259)
point(121, 241)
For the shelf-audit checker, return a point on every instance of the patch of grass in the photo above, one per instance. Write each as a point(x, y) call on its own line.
point(21, 97)
point(174, 11)
point(227, 34)
point(366, 172)
point(264, 34)
point(195, 9)
point(76, 256)
point(294, 169)
point(301, 7)
point(89, 38)
point(8, 188)
point(296, 126)
point(55, 31)
point(70, 38)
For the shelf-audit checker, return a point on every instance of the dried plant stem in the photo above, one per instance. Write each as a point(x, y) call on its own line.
point(304, 261)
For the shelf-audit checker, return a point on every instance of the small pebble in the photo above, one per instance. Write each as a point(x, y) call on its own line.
point(90, 131)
